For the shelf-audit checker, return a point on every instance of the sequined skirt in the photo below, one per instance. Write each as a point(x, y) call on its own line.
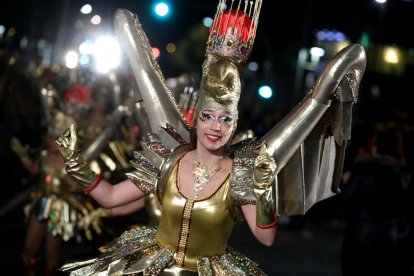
point(66, 215)
point(136, 252)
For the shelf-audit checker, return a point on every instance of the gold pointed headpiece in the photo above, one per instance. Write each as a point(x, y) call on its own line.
point(233, 30)
point(229, 45)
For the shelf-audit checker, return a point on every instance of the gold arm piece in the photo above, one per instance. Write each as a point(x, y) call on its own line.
point(284, 139)
point(263, 173)
point(308, 145)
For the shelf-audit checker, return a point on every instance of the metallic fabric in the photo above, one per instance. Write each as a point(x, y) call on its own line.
point(220, 86)
point(308, 144)
point(76, 166)
point(63, 205)
point(154, 251)
point(185, 222)
point(308, 158)
point(263, 173)
point(234, 29)
point(160, 105)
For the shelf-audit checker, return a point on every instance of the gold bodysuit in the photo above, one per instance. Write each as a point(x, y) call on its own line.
point(187, 223)
point(191, 239)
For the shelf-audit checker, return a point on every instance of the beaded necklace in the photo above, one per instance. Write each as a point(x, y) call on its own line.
point(202, 174)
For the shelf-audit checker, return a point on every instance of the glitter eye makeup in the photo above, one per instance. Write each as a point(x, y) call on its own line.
point(223, 120)
point(206, 117)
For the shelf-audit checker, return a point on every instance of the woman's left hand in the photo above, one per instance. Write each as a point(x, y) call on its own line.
point(264, 167)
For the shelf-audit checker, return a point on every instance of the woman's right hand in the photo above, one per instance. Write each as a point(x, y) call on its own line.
point(67, 143)
point(76, 165)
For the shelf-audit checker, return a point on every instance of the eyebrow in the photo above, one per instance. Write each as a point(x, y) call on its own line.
point(212, 110)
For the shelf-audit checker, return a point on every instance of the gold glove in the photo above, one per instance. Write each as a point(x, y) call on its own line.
point(264, 168)
point(21, 151)
point(94, 216)
point(92, 220)
point(76, 165)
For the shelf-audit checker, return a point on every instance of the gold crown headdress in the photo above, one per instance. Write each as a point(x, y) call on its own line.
point(229, 45)
point(233, 30)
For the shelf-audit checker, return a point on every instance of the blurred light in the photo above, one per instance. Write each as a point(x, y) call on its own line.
point(339, 36)
point(86, 47)
point(78, 24)
point(320, 35)
point(265, 92)
point(170, 48)
point(24, 42)
point(161, 9)
point(364, 40)
point(330, 35)
point(11, 32)
point(172, 82)
point(71, 59)
point(317, 52)
point(107, 54)
point(207, 21)
point(391, 55)
point(253, 66)
point(381, 1)
point(2, 29)
point(96, 19)
point(12, 60)
point(86, 9)
point(155, 52)
point(375, 91)
point(84, 61)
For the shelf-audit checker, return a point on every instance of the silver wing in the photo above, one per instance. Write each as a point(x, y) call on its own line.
point(159, 103)
point(170, 132)
point(308, 144)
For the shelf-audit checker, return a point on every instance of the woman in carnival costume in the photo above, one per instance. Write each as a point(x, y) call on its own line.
point(58, 209)
point(205, 185)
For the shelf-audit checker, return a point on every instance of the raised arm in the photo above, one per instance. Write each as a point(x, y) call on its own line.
point(104, 193)
point(340, 78)
point(309, 144)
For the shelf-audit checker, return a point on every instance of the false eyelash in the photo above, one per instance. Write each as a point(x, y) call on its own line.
point(204, 116)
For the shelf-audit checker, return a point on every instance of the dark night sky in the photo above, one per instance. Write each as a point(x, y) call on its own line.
point(290, 20)
point(285, 25)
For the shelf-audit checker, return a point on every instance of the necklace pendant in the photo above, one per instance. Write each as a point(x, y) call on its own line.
point(202, 174)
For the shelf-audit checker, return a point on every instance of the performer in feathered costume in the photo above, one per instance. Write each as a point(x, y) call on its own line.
point(205, 185)
point(59, 210)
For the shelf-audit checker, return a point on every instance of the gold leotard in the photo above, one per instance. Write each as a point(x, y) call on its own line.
point(186, 224)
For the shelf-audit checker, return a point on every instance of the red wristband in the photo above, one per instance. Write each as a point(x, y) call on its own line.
point(94, 185)
point(273, 224)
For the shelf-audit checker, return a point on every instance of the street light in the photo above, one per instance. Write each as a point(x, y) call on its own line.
point(161, 9)
point(265, 91)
